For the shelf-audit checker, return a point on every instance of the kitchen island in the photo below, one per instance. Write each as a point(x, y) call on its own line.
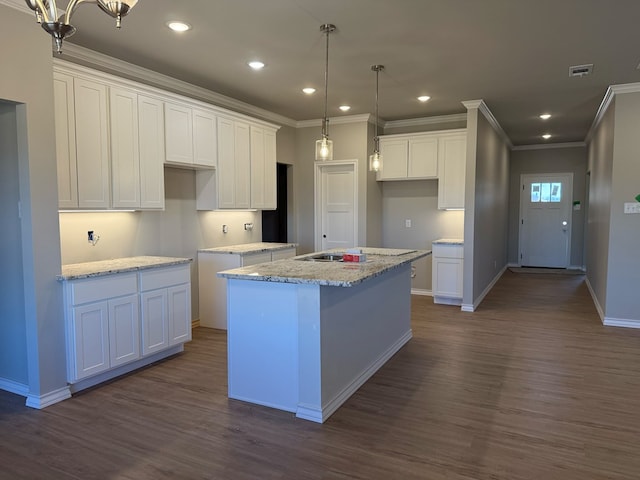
point(304, 335)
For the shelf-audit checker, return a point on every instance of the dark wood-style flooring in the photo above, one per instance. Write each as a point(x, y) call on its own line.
point(531, 386)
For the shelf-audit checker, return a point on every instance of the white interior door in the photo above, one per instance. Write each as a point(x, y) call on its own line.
point(336, 205)
point(545, 220)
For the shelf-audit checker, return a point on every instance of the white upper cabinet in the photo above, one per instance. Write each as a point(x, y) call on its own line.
point(92, 144)
point(423, 157)
point(125, 149)
point(409, 157)
point(65, 127)
point(190, 136)
point(151, 143)
point(263, 169)
point(452, 158)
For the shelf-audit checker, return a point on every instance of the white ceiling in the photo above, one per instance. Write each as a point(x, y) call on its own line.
point(514, 54)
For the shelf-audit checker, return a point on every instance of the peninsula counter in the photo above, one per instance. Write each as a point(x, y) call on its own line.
point(303, 336)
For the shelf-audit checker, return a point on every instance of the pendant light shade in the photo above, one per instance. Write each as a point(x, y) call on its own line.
point(375, 159)
point(324, 146)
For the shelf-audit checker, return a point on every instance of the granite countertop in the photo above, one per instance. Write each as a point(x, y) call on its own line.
point(75, 271)
point(336, 274)
point(448, 241)
point(249, 248)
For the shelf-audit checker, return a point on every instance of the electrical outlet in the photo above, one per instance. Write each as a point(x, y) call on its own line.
point(248, 226)
point(632, 207)
point(90, 236)
point(407, 223)
point(225, 228)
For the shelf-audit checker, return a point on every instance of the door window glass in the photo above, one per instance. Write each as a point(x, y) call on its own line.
point(546, 192)
point(535, 192)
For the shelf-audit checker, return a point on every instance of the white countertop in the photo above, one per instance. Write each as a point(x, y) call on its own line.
point(249, 248)
point(336, 274)
point(74, 271)
point(448, 241)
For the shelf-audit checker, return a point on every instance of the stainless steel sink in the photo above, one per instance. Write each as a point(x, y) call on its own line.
point(323, 257)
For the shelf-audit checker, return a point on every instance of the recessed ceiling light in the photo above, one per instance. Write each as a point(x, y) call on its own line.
point(545, 116)
point(546, 136)
point(424, 98)
point(309, 90)
point(178, 26)
point(256, 65)
point(344, 108)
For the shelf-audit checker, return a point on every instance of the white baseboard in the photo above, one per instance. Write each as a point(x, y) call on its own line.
point(42, 401)
point(14, 387)
point(621, 322)
point(468, 307)
point(595, 299)
point(422, 292)
point(313, 413)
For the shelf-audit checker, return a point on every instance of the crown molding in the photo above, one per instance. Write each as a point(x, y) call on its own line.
point(18, 5)
point(480, 105)
point(317, 122)
point(611, 92)
point(84, 56)
point(417, 122)
point(547, 146)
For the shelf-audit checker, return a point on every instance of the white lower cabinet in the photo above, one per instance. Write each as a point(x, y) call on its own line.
point(213, 290)
point(112, 322)
point(447, 270)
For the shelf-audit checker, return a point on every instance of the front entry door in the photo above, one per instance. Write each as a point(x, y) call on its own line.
point(545, 220)
point(336, 207)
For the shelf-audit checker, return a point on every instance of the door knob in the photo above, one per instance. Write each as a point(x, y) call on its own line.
point(324, 236)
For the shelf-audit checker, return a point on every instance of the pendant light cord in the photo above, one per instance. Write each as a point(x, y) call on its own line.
point(327, 28)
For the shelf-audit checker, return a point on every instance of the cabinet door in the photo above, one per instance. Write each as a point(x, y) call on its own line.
point(125, 160)
point(65, 128)
point(151, 144)
point(423, 157)
point(452, 157)
point(124, 330)
point(226, 164)
point(394, 159)
point(155, 319)
point(179, 298)
point(447, 277)
point(263, 169)
point(92, 144)
point(91, 339)
point(204, 138)
point(178, 134)
point(256, 258)
point(242, 147)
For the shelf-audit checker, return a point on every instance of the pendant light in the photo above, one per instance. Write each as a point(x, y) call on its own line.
point(324, 146)
point(375, 160)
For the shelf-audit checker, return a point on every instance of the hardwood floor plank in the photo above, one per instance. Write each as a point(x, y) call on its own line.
point(530, 386)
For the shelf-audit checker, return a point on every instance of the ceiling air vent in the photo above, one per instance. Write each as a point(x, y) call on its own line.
point(581, 70)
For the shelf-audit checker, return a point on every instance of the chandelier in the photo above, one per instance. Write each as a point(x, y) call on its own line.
point(59, 26)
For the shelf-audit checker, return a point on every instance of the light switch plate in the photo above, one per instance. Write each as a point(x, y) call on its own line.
point(632, 207)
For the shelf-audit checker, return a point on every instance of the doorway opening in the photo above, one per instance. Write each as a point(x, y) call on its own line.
point(274, 222)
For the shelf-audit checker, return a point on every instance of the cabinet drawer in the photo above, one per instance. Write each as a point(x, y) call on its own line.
point(280, 254)
point(110, 286)
point(447, 251)
point(164, 277)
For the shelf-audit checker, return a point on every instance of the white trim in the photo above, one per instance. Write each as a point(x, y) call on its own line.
point(545, 146)
point(18, 5)
point(14, 387)
point(480, 105)
point(42, 401)
point(621, 322)
point(606, 101)
point(466, 307)
point(595, 300)
point(421, 292)
point(309, 412)
point(317, 208)
point(417, 122)
point(317, 122)
point(80, 55)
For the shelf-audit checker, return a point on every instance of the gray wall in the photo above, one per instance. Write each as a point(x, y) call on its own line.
point(178, 231)
point(350, 142)
point(600, 165)
point(27, 79)
point(486, 206)
point(13, 328)
point(549, 160)
point(623, 276)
